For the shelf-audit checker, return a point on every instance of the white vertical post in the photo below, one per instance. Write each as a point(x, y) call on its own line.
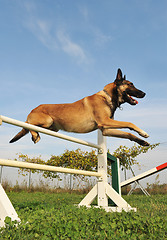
point(1, 174)
point(29, 179)
point(102, 169)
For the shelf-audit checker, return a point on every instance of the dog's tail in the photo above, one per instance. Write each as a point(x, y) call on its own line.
point(21, 134)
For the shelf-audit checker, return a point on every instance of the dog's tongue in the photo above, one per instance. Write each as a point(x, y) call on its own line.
point(135, 101)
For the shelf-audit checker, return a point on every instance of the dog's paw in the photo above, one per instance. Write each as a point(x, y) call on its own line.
point(143, 134)
point(36, 139)
point(142, 142)
point(145, 144)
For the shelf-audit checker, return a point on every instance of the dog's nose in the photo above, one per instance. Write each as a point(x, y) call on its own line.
point(142, 94)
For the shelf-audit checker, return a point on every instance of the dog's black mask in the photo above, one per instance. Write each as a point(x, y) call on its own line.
point(126, 90)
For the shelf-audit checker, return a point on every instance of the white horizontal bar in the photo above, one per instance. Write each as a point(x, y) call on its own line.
point(46, 131)
point(42, 167)
point(139, 177)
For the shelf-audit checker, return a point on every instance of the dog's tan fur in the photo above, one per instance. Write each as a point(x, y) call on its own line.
point(89, 113)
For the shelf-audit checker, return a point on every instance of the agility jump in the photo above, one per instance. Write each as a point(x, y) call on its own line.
point(102, 190)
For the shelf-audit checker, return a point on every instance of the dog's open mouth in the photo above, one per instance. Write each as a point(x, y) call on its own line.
point(131, 100)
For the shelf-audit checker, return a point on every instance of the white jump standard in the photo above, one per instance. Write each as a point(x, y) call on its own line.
point(102, 190)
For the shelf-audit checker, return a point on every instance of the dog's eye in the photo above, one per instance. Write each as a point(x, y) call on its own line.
point(131, 84)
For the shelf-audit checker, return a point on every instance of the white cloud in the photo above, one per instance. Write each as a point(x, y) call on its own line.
point(54, 37)
point(71, 48)
point(42, 30)
point(39, 27)
point(50, 35)
point(100, 38)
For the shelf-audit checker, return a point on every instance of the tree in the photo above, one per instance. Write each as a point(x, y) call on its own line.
point(25, 158)
point(70, 159)
point(77, 159)
point(127, 156)
point(84, 160)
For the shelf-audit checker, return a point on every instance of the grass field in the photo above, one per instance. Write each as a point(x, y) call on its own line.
point(55, 216)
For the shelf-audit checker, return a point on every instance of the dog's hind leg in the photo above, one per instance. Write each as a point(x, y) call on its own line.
point(122, 134)
point(40, 120)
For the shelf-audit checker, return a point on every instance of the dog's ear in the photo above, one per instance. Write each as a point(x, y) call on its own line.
point(124, 77)
point(119, 78)
point(119, 74)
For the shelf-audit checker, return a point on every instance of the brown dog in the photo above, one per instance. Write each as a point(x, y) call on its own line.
point(89, 113)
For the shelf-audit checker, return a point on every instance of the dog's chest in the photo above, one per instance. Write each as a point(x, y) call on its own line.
point(109, 109)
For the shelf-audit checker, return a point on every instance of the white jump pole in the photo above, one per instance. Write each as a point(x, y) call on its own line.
point(42, 167)
point(144, 175)
point(46, 131)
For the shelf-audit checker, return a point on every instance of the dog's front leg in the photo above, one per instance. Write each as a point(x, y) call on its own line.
point(114, 124)
point(122, 134)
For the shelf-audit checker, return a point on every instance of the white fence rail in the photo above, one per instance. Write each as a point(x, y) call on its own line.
point(43, 167)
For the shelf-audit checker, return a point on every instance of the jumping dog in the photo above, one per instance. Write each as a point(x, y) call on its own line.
point(90, 113)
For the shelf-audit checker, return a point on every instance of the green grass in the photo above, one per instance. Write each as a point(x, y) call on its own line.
point(54, 216)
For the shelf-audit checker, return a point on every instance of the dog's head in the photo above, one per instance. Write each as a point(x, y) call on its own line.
point(126, 90)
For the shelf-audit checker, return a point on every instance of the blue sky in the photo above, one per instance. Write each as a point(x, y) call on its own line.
point(60, 51)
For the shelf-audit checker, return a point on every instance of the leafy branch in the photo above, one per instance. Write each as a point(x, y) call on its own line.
point(84, 160)
point(127, 156)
